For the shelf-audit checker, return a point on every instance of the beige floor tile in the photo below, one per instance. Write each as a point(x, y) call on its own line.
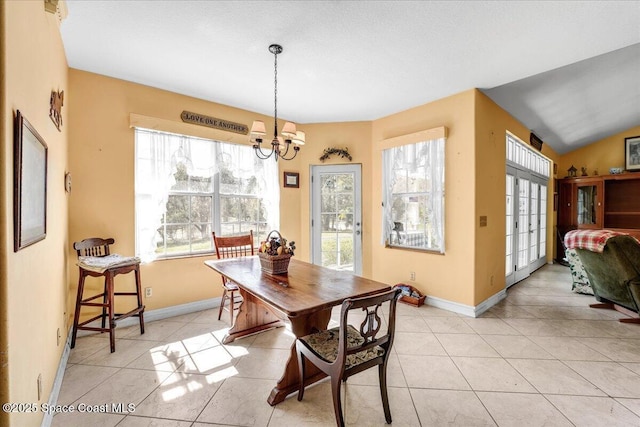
point(421, 343)
point(428, 311)
point(411, 324)
point(155, 331)
point(315, 409)
point(491, 326)
point(195, 336)
point(511, 312)
point(490, 374)
point(85, 347)
point(450, 408)
point(553, 376)
point(185, 318)
point(568, 313)
point(208, 361)
point(211, 316)
point(162, 357)
point(263, 363)
point(610, 377)
point(281, 338)
point(363, 406)
point(80, 379)
point(631, 404)
point(181, 396)
point(619, 350)
point(565, 348)
point(522, 409)
point(432, 372)
point(240, 401)
point(84, 419)
point(583, 328)
point(126, 352)
point(127, 386)
point(594, 411)
point(134, 421)
point(518, 347)
point(470, 345)
point(448, 325)
point(395, 375)
point(535, 327)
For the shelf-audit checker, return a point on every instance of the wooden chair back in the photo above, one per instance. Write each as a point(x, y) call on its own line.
point(233, 246)
point(370, 328)
point(94, 246)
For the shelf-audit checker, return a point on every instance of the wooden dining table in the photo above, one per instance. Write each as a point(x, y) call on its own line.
point(304, 296)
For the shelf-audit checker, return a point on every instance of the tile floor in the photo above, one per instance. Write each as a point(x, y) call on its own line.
point(539, 357)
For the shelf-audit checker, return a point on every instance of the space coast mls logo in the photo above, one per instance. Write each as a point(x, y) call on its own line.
point(212, 122)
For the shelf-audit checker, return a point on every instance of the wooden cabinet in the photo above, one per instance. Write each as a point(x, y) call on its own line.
point(607, 201)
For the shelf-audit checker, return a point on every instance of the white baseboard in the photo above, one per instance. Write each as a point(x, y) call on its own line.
point(162, 313)
point(464, 309)
point(57, 382)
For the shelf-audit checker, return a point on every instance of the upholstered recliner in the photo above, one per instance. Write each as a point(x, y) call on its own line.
point(612, 263)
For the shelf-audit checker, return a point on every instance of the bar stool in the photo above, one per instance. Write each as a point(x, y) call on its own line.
point(94, 259)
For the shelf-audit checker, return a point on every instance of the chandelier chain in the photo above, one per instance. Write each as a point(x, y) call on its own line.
point(275, 94)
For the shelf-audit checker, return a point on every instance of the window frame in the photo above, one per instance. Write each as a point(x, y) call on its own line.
point(437, 186)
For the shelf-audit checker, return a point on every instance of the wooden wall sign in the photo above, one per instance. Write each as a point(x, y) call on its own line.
point(212, 122)
point(55, 108)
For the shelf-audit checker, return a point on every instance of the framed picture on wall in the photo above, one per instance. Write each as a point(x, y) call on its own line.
point(292, 179)
point(632, 153)
point(29, 185)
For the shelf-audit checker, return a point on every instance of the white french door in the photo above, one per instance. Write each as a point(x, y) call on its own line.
point(336, 219)
point(526, 224)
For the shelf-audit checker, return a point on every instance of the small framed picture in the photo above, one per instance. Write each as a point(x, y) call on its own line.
point(292, 179)
point(632, 153)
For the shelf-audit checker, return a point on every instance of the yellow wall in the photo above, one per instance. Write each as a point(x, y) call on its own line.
point(601, 155)
point(492, 123)
point(448, 276)
point(33, 281)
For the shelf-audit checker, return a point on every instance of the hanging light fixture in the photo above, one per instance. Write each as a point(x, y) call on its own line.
point(280, 145)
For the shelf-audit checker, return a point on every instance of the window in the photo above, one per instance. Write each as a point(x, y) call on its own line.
point(413, 182)
point(187, 187)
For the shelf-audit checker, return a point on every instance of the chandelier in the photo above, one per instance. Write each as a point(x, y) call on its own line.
point(280, 145)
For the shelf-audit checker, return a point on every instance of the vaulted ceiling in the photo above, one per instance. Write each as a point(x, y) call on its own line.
point(568, 70)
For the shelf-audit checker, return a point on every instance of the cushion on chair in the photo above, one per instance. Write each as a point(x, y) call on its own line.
point(325, 345)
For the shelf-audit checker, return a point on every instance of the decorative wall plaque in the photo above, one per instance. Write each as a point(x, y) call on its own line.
point(55, 107)
point(212, 122)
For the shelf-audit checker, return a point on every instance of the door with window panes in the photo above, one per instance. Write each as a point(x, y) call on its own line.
point(526, 211)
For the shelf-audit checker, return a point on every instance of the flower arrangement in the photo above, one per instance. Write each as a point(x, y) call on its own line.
point(275, 252)
point(339, 151)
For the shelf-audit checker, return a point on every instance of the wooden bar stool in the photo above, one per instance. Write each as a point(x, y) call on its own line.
point(94, 259)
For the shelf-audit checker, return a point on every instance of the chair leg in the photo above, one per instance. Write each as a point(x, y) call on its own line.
point(382, 374)
point(301, 371)
point(140, 304)
point(337, 402)
point(76, 315)
point(224, 297)
point(104, 301)
point(112, 324)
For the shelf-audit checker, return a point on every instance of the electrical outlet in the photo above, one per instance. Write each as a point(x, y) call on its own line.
point(39, 387)
point(58, 338)
point(148, 292)
point(412, 276)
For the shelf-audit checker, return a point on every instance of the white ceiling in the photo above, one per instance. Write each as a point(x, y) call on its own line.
point(362, 60)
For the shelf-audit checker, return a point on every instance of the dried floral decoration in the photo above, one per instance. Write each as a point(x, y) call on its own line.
point(339, 151)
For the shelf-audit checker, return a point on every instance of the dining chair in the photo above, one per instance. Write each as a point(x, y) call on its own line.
point(344, 350)
point(231, 247)
point(96, 260)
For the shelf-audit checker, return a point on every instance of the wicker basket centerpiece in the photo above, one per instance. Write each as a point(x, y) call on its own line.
point(275, 253)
